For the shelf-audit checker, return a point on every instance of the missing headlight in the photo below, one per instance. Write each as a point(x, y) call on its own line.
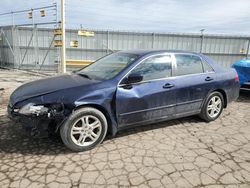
point(55, 109)
point(49, 110)
point(31, 108)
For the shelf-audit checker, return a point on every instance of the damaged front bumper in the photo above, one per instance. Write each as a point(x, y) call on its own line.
point(38, 124)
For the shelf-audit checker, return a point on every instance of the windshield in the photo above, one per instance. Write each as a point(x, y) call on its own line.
point(109, 66)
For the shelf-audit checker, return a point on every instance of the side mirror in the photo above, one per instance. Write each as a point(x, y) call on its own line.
point(134, 78)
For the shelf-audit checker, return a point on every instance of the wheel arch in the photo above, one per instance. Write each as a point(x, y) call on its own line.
point(223, 94)
point(105, 113)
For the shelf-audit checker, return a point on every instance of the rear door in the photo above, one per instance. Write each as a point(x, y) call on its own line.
point(194, 79)
point(151, 99)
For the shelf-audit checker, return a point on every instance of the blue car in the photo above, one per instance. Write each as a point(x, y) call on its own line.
point(121, 90)
point(243, 69)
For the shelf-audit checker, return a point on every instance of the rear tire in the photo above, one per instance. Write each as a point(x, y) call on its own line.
point(84, 129)
point(212, 107)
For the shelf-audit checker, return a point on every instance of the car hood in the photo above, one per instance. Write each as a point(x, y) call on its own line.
point(48, 85)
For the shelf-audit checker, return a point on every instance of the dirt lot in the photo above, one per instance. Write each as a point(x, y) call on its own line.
point(180, 153)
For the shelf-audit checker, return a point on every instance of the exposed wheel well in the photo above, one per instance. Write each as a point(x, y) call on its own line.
point(103, 110)
point(224, 96)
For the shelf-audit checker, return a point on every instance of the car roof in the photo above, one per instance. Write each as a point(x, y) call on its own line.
point(143, 52)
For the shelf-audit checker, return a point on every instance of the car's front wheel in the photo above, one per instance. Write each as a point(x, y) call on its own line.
point(212, 107)
point(84, 129)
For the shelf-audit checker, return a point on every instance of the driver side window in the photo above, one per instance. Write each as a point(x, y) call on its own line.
point(156, 67)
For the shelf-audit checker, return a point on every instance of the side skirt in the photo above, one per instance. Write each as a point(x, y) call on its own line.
point(162, 119)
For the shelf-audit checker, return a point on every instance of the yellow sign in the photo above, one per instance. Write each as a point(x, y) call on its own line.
point(242, 50)
point(30, 15)
point(74, 43)
point(57, 43)
point(86, 33)
point(42, 13)
point(78, 63)
point(58, 31)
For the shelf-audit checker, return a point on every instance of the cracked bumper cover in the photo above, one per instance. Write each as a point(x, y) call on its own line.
point(37, 123)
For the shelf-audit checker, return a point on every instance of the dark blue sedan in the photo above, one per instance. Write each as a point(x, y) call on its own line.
point(124, 89)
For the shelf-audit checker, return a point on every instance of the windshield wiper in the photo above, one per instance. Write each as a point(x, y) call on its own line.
point(84, 75)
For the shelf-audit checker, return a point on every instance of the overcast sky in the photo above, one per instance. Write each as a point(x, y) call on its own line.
point(215, 16)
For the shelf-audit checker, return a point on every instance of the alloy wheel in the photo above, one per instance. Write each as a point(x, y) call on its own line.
point(86, 130)
point(214, 106)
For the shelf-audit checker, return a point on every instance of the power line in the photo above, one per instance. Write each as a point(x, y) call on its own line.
point(27, 10)
point(48, 15)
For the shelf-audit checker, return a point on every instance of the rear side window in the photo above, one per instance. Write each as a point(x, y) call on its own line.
point(207, 67)
point(187, 64)
point(156, 67)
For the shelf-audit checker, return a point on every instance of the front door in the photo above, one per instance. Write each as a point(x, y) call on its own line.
point(151, 99)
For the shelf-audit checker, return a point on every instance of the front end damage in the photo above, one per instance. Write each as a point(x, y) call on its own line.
point(44, 105)
point(39, 120)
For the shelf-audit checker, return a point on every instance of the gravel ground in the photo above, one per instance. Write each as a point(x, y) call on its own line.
point(179, 153)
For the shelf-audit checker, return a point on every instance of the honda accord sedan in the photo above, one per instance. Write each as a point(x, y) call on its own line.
point(121, 90)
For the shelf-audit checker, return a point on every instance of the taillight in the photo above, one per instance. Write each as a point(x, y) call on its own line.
point(236, 78)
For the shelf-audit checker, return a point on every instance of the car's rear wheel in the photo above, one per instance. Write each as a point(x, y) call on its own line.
point(212, 107)
point(84, 129)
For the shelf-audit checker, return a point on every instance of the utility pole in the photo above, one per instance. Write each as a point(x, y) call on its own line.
point(63, 49)
point(202, 37)
point(12, 18)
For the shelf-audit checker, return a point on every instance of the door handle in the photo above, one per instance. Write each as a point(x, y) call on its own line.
point(208, 79)
point(168, 85)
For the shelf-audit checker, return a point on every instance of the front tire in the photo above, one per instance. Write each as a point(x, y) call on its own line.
point(84, 129)
point(212, 107)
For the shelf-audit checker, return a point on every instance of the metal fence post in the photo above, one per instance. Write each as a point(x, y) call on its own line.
point(13, 46)
point(247, 52)
point(107, 49)
point(63, 48)
point(36, 46)
point(202, 38)
point(153, 39)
